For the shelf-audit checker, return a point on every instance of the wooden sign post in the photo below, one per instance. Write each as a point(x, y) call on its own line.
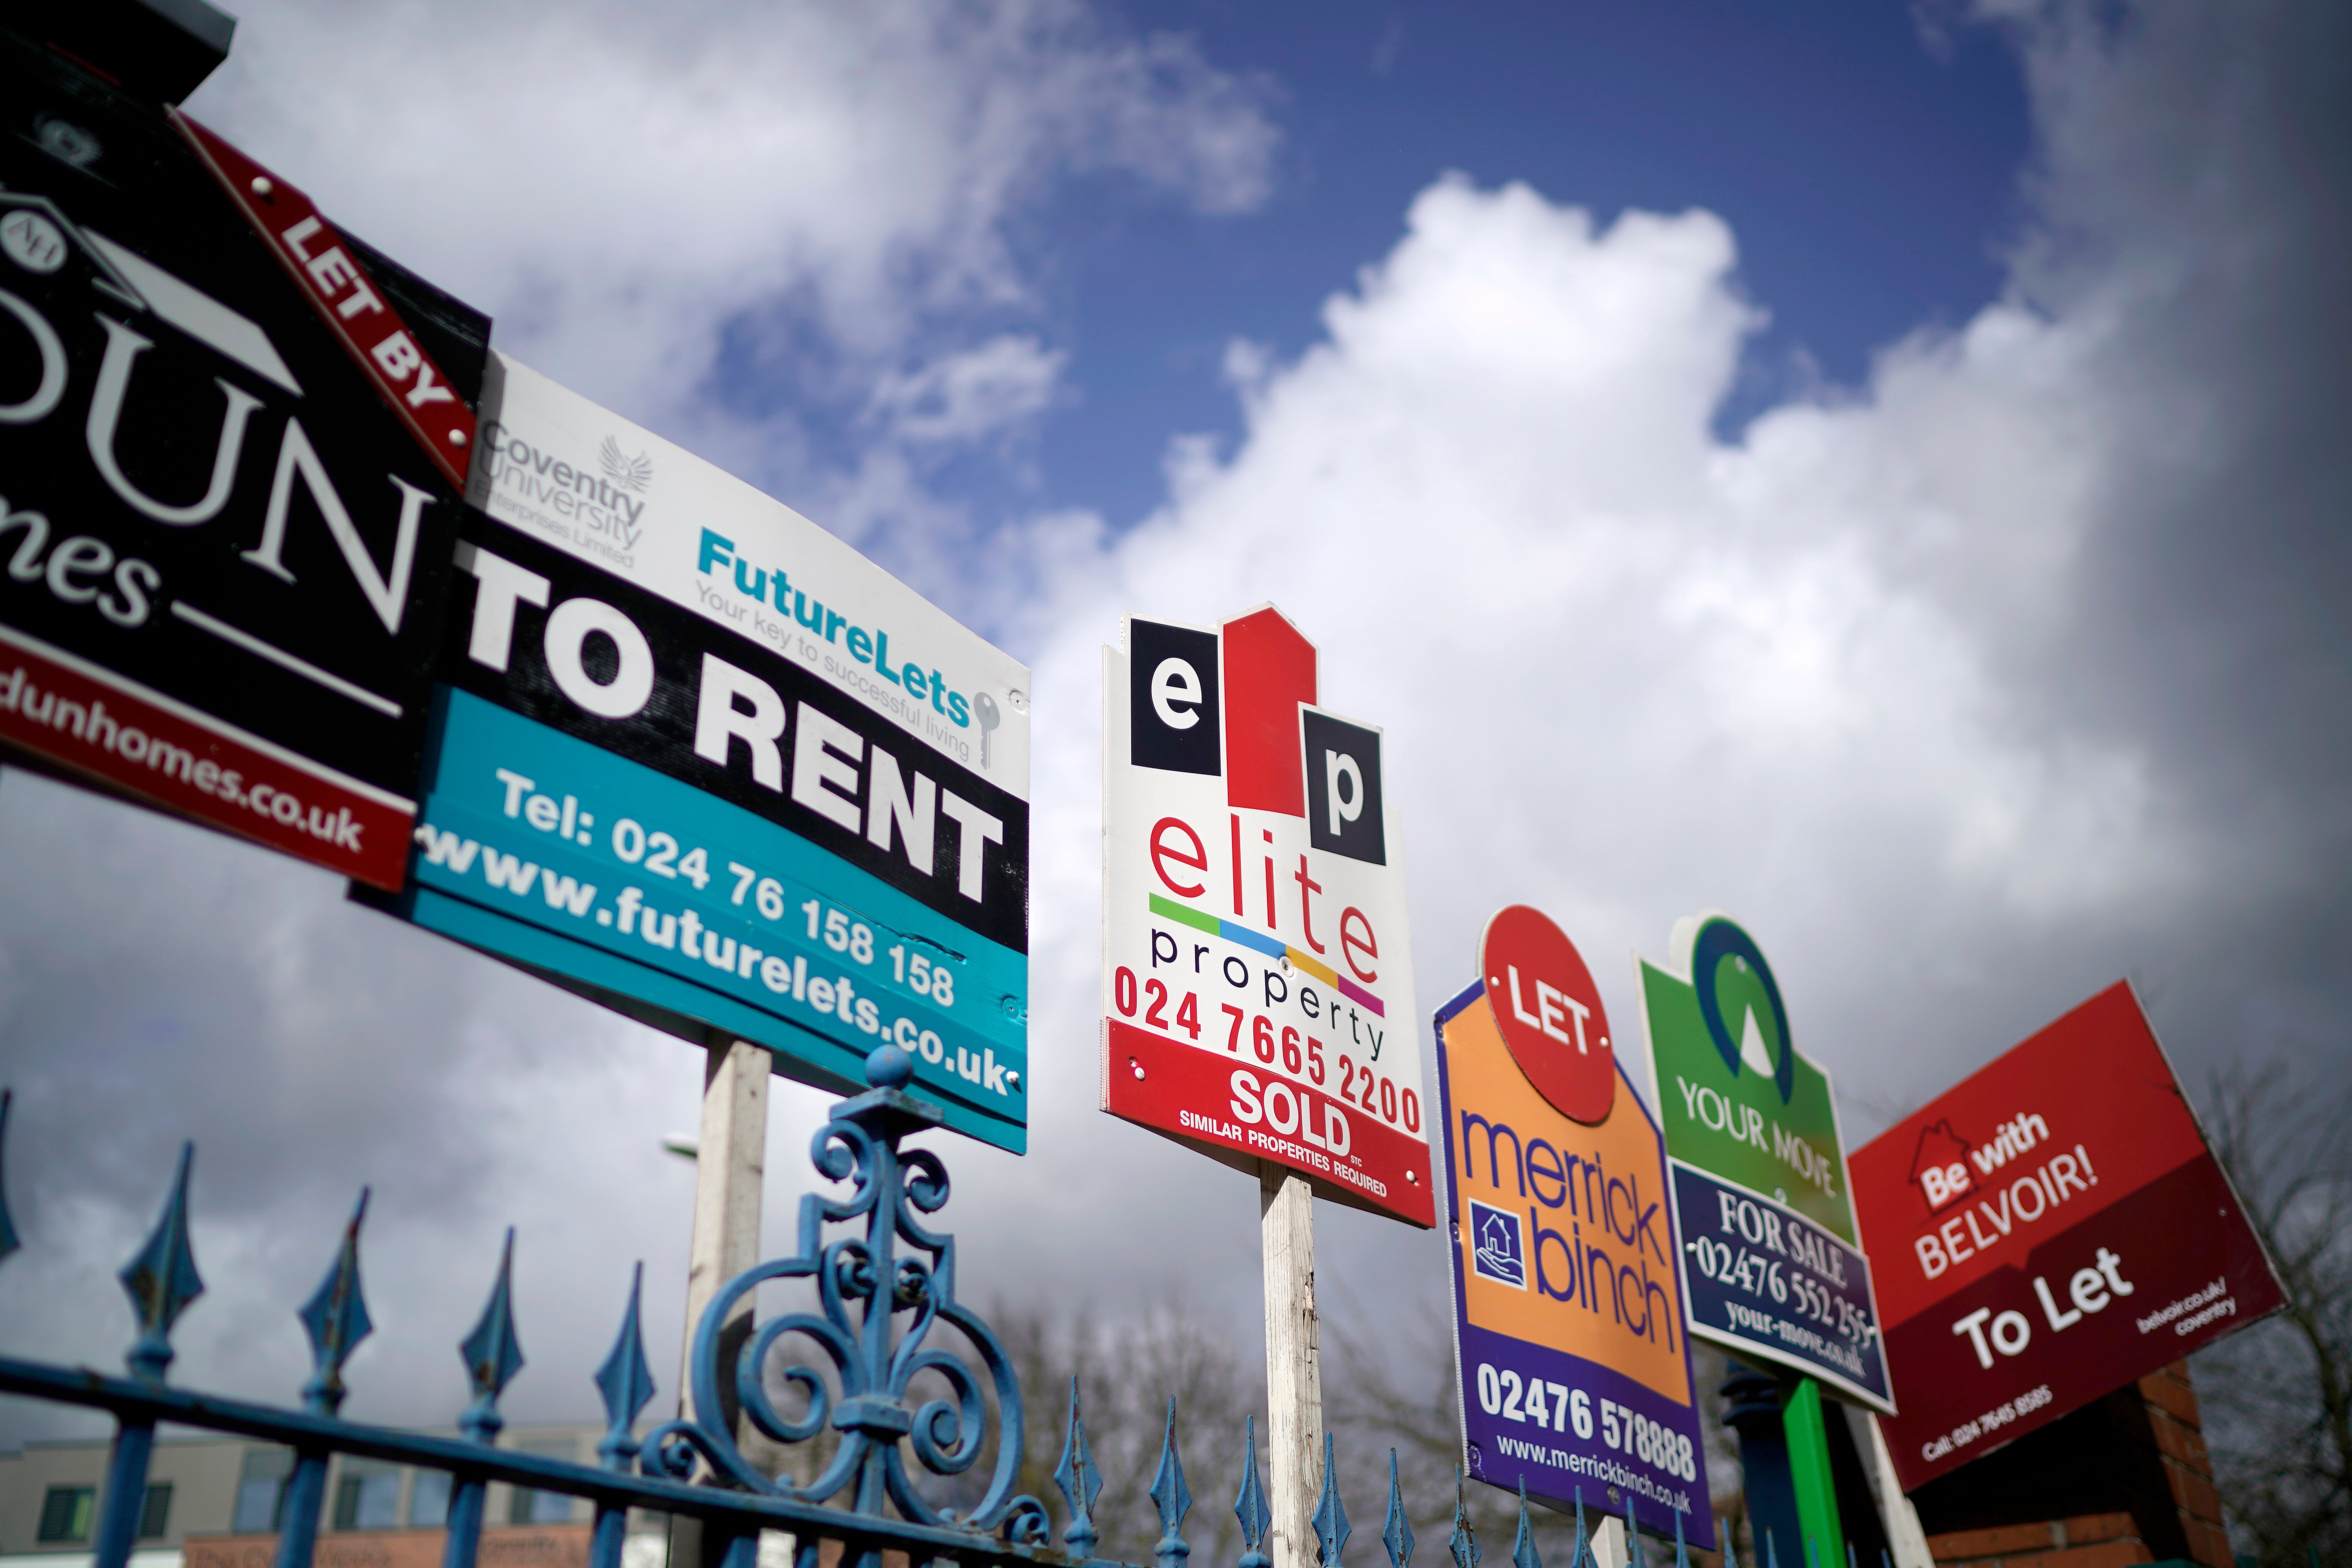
point(1257, 974)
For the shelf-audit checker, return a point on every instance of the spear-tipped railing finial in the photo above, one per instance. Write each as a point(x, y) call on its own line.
point(1396, 1530)
point(625, 1382)
point(161, 1279)
point(1523, 1546)
point(1462, 1545)
point(1330, 1520)
point(1080, 1482)
point(1249, 1503)
point(1172, 1497)
point(9, 1240)
point(492, 1352)
point(336, 1317)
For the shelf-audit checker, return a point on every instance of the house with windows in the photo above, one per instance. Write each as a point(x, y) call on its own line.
point(216, 1502)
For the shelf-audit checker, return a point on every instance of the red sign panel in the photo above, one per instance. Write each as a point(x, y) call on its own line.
point(346, 300)
point(1248, 1111)
point(94, 722)
point(1548, 1013)
point(2046, 1232)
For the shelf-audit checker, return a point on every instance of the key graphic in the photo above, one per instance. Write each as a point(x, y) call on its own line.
point(985, 706)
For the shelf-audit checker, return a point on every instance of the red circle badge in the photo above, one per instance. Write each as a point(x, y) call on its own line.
point(1549, 1012)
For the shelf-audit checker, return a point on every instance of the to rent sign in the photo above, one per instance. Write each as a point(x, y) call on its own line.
point(697, 758)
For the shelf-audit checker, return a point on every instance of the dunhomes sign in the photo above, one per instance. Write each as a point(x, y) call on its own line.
point(231, 445)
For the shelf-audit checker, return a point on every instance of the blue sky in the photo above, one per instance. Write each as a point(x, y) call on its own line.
point(1869, 170)
point(1905, 514)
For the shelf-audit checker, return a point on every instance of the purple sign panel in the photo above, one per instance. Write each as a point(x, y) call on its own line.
point(1572, 1358)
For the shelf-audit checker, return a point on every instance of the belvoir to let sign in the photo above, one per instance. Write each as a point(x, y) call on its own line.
point(2048, 1229)
point(1257, 980)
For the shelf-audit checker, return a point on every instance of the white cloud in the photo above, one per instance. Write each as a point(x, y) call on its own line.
point(1626, 669)
point(965, 396)
point(826, 193)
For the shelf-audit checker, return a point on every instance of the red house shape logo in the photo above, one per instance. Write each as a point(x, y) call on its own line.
point(1940, 1167)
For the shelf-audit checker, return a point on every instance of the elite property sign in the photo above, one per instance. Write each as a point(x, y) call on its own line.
point(1257, 974)
point(1773, 1262)
point(697, 758)
point(232, 443)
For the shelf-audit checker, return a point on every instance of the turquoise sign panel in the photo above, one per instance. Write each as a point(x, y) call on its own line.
point(572, 860)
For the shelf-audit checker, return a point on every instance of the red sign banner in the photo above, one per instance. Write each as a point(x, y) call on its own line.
point(2046, 1231)
point(346, 298)
point(93, 721)
point(1248, 1111)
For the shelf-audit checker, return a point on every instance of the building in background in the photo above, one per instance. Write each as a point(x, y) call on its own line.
point(215, 1503)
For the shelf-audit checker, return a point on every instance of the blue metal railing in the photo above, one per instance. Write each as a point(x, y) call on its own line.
point(867, 1497)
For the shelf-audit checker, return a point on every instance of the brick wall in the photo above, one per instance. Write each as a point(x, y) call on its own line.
point(2188, 1468)
point(2164, 1406)
point(2086, 1541)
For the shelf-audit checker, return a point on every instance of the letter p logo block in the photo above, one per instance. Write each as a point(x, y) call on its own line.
point(1343, 787)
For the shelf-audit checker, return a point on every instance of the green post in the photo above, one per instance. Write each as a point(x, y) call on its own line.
point(1809, 1469)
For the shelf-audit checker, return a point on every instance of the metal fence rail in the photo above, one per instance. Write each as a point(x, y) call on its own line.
point(880, 1290)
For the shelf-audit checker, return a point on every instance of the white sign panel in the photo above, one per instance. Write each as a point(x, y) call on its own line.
point(1258, 971)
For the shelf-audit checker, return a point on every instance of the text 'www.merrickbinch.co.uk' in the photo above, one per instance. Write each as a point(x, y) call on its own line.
point(789, 979)
point(1600, 1470)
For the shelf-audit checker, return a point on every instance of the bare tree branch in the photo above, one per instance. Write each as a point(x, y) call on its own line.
point(2278, 1397)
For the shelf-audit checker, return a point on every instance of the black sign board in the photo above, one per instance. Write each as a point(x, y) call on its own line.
point(232, 444)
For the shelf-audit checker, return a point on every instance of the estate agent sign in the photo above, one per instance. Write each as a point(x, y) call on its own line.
point(1772, 1261)
point(697, 758)
point(232, 442)
point(1572, 1356)
point(2048, 1230)
point(1257, 978)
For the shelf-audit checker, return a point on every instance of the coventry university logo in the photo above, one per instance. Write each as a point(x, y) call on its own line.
point(1496, 1252)
point(635, 472)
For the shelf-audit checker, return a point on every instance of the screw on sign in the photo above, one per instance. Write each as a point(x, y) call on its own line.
point(1550, 1012)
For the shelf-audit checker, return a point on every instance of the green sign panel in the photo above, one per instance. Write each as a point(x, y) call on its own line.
point(1739, 1101)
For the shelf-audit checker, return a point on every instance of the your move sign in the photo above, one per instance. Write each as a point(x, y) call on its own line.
point(1772, 1261)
